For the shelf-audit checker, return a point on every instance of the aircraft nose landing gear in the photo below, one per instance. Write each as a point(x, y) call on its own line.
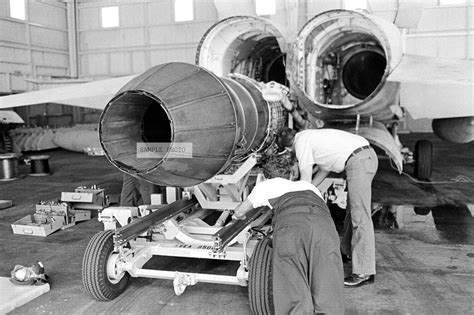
point(423, 159)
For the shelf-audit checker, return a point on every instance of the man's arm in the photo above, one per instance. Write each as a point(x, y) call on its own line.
point(319, 177)
point(242, 209)
point(306, 173)
point(299, 121)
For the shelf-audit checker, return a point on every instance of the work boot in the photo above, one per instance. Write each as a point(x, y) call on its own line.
point(355, 280)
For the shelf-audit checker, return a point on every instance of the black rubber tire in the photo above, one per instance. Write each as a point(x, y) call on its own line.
point(422, 210)
point(94, 264)
point(423, 159)
point(261, 279)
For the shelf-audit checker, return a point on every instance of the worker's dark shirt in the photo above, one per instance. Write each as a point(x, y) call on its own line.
point(297, 202)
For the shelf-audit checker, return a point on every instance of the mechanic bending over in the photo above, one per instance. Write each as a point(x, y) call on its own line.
point(307, 266)
point(332, 150)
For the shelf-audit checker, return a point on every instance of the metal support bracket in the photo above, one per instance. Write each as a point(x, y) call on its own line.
point(228, 233)
point(132, 230)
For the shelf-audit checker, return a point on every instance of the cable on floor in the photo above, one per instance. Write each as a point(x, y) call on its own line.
point(457, 179)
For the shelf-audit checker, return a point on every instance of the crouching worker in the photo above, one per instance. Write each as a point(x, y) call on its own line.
point(307, 267)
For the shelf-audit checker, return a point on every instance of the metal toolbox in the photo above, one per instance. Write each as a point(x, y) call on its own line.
point(31, 225)
point(85, 198)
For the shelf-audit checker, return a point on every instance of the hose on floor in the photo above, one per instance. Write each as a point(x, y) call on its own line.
point(457, 179)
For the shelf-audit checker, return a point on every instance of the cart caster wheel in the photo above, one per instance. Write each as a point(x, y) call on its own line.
point(178, 286)
point(181, 281)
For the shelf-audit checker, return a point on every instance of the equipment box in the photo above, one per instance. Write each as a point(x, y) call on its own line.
point(32, 225)
point(85, 199)
point(81, 215)
point(57, 208)
point(80, 197)
point(5, 204)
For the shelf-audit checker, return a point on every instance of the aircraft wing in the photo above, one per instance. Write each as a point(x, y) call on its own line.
point(95, 94)
point(432, 87)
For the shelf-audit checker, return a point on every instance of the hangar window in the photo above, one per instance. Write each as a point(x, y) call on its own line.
point(265, 7)
point(183, 10)
point(355, 4)
point(450, 2)
point(17, 9)
point(110, 17)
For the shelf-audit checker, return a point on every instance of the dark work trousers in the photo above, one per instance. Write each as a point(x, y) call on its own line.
point(136, 192)
point(308, 275)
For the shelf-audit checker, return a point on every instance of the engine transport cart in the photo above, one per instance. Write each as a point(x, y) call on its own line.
point(229, 122)
point(179, 230)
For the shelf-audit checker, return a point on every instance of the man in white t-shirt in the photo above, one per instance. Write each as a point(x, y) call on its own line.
point(332, 150)
point(307, 266)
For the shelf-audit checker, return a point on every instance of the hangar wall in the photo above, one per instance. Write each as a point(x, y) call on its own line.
point(61, 41)
point(33, 48)
point(147, 36)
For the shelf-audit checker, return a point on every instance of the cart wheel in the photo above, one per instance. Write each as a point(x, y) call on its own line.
point(99, 273)
point(422, 210)
point(423, 159)
point(260, 278)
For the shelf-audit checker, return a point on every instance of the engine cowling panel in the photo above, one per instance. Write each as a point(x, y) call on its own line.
point(342, 59)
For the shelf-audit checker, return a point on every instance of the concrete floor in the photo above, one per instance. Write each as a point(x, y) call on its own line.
point(425, 263)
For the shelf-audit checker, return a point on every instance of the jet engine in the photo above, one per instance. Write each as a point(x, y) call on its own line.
point(223, 120)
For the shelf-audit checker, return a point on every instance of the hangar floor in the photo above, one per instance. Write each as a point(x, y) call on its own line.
point(425, 259)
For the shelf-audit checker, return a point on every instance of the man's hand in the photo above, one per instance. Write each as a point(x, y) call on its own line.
point(239, 216)
point(285, 102)
point(319, 177)
point(241, 210)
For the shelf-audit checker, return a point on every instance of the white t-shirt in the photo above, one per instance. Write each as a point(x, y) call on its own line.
point(276, 187)
point(328, 148)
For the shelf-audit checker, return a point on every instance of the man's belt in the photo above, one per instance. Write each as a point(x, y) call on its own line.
point(294, 205)
point(300, 208)
point(365, 147)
